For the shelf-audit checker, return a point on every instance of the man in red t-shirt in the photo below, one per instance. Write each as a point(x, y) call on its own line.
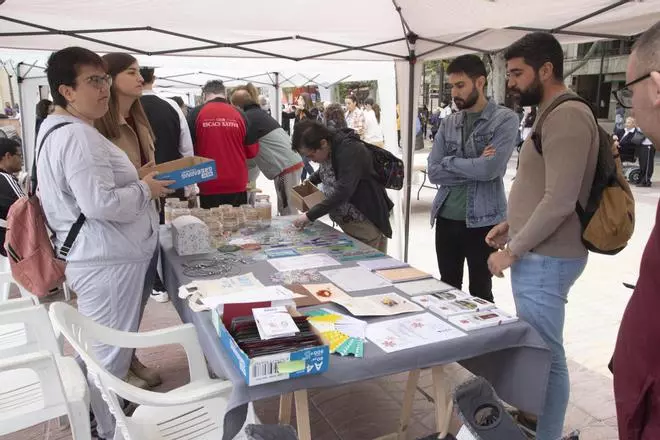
point(637, 355)
point(220, 132)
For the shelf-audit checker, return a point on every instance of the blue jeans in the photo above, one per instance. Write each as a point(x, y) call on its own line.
point(540, 289)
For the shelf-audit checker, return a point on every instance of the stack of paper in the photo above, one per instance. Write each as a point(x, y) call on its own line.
point(435, 299)
point(460, 306)
point(345, 335)
point(479, 320)
point(274, 322)
point(403, 274)
point(382, 263)
point(423, 287)
point(352, 279)
point(269, 293)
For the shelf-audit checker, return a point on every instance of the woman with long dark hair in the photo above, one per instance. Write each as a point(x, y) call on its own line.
point(126, 125)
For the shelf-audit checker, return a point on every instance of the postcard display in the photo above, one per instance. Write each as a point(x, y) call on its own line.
point(270, 339)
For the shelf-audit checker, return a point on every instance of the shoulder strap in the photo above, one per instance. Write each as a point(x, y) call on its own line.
point(536, 135)
point(33, 177)
point(77, 226)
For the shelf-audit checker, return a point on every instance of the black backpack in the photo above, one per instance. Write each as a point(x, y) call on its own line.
point(389, 169)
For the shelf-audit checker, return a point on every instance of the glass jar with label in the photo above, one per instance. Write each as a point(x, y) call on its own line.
point(264, 209)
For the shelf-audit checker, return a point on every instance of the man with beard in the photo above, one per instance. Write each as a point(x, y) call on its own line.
point(541, 239)
point(469, 159)
point(636, 357)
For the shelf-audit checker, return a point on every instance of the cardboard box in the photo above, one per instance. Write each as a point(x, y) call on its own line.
point(275, 367)
point(184, 171)
point(306, 196)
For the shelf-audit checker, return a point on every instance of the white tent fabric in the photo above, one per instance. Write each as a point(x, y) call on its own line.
point(297, 30)
point(405, 31)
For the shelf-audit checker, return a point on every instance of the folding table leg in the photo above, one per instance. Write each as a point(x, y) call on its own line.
point(444, 405)
point(285, 408)
point(302, 415)
point(408, 400)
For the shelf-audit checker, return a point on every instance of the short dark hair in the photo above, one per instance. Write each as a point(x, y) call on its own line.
point(310, 134)
point(147, 74)
point(178, 100)
point(64, 66)
point(471, 65)
point(369, 101)
point(43, 108)
point(214, 86)
point(352, 98)
point(536, 49)
point(647, 49)
point(10, 146)
point(334, 117)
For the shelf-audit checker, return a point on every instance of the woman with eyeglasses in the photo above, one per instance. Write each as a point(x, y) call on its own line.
point(126, 125)
point(85, 179)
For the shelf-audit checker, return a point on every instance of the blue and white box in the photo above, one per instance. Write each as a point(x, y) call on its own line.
point(185, 171)
point(275, 367)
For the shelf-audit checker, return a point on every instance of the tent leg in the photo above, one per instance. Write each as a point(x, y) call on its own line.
point(277, 110)
point(408, 156)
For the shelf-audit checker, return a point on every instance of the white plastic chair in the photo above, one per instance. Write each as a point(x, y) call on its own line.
point(6, 280)
point(36, 382)
point(193, 411)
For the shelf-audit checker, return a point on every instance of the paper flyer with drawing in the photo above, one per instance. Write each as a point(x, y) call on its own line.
point(438, 298)
point(479, 320)
point(410, 332)
point(387, 304)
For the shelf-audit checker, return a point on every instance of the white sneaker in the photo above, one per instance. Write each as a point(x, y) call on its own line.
point(160, 297)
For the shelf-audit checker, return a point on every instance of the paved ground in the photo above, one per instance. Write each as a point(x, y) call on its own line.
point(371, 409)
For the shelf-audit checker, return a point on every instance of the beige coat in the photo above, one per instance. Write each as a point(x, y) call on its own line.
point(128, 142)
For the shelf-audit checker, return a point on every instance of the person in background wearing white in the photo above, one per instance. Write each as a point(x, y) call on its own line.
point(354, 116)
point(373, 133)
point(632, 138)
point(82, 172)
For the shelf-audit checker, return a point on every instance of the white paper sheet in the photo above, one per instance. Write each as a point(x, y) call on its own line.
point(409, 332)
point(269, 293)
point(353, 279)
point(423, 287)
point(382, 263)
point(303, 262)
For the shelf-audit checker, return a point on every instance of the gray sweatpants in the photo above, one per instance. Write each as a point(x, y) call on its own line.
point(111, 295)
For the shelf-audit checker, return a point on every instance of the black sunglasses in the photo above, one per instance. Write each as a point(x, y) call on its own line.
point(624, 95)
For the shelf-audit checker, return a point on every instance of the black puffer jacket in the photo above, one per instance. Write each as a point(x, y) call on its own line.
point(352, 163)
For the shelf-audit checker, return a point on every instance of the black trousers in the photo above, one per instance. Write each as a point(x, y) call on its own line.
point(215, 200)
point(646, 154)
point(455, 243)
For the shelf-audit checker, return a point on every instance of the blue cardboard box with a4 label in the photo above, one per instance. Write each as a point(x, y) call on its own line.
point(185, 171)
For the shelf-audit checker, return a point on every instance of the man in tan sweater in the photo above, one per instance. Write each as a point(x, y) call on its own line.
point(542, 233)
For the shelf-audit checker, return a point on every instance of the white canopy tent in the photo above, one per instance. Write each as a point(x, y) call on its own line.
point(404, 31)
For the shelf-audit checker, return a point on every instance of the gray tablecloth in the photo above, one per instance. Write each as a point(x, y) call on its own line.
point(512, 357)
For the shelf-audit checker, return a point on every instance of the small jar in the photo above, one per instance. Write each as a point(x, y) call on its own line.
point(264, 210)
point(231, 224)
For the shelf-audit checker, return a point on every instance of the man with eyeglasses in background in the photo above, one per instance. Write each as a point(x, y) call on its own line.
point(11, 162)
point(636, 363)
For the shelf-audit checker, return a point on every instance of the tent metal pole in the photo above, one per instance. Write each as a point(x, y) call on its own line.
point(19, 80)
point(600, 81)
point(277, 107)
point(408, 156)
point(452, 43)
point(575, 33)
point(593, 14)
point(349, 48)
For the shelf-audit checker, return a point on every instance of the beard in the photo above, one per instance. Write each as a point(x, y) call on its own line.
point(468, 102)
point(532, 96)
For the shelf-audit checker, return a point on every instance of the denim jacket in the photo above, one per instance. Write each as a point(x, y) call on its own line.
point(451, 163)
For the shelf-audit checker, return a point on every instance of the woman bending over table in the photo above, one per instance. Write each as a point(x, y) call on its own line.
point(353, 197)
